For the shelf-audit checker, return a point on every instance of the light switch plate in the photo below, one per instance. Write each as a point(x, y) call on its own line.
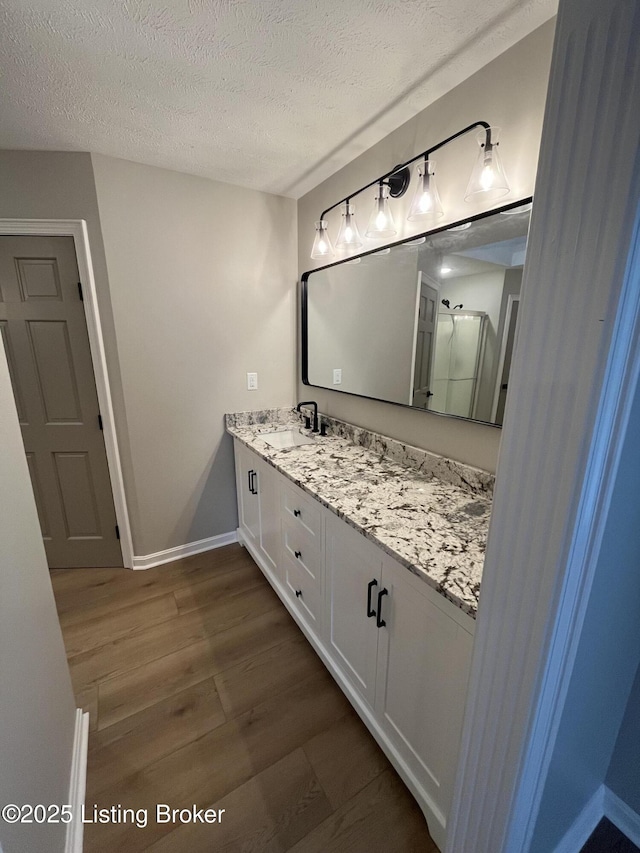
point(337, 376)
point(252, 381)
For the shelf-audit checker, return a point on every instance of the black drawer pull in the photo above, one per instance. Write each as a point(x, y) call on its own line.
point(298, 554)
point(370, 586)
point(296, 512)
point(298, 593)
point(380, 622)
point(249, 473)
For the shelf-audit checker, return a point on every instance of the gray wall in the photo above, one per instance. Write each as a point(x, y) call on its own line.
point(37, 708)
point(606, 663)
point(509, 92)
point(202, 278)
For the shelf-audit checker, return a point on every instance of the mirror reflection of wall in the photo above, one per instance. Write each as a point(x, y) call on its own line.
point(428, 323)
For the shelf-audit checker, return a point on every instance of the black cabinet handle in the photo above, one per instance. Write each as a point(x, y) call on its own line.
point(298, 593)
point(298, 554)
point(296, 512)
point(370, 586)
point(252, 482)
point(380, 622)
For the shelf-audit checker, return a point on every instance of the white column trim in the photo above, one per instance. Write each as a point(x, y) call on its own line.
point(77, 228)
point(574, 374)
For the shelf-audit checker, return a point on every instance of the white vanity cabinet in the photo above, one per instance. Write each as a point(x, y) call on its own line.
point(424, 658)
point(257, 485)
point(406, 651)
point(399, 650)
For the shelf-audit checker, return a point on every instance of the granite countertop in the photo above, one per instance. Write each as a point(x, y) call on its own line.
point(431, 514)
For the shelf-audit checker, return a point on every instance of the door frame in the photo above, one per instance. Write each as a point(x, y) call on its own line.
point(511, 299)
point(77, 229)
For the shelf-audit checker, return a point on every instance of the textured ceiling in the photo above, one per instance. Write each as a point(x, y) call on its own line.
point(270, 94)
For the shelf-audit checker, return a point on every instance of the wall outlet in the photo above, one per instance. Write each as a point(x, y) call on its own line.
point(337, 376)
point(252, 381)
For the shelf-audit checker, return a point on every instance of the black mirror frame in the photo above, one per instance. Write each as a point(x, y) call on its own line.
point(304, 308)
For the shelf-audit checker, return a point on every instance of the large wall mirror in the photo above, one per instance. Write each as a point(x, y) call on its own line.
point(428, 323)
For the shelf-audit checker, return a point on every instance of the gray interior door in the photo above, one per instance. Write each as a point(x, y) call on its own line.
point(44, 332)
point(425, 338)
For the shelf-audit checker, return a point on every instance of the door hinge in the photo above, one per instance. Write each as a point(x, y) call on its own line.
point(117, 532)
point(100, 421)
point(80, 291)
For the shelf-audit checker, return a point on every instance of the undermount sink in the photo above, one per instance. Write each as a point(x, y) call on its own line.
point(286, 438)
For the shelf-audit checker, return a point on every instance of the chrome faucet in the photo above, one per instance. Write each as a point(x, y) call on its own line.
point(315, 414)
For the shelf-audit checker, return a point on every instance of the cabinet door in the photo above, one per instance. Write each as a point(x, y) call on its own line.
point(248, 506)
point(423, 669)
point(269, 503)
point(353, 568)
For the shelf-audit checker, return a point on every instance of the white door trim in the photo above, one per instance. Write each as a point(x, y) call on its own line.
point(77, 228)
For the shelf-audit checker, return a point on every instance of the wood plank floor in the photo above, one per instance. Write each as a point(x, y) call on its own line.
point(202, 691)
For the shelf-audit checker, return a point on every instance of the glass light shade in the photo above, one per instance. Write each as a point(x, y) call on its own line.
point(381, 222)
point(426, 204)
point(348, 235)
point(488, 178)
point(322, 247)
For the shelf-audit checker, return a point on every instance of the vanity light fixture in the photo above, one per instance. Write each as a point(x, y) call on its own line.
point(488, 175)
point(322, 247)
point(487, 179)
point(381, 222)
point(426, 204)
point(348, 235)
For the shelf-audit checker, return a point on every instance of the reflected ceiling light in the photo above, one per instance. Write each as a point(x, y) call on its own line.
point(354, 261)
point(416, 242)
point(381, 222)
point(426, 204)
point(445, 270)
point(522, 208)
point(382, 252)
point(488, 177)
point(462, 227)
point(349, 235)
point(322, 247)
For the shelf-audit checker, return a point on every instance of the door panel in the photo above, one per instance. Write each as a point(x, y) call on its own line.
point(53, 362)
point(13, 373)
point(39, 278)
point(37, 493)
point(45, 336)
point(78, 495)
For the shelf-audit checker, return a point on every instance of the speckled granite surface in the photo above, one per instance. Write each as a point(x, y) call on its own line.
point(429, 513)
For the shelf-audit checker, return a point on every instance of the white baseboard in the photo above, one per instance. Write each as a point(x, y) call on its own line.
point(622, 815)
point(160, 557)
point(578, 833)
point(78, 782)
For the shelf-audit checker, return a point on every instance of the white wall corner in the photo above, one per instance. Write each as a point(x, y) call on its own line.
point(148, 561)
point(623, 816)
point(78, 782)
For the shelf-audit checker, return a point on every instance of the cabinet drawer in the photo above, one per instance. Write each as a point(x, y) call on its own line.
point(303, 511)
point(301, 547)
point(306, 593)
